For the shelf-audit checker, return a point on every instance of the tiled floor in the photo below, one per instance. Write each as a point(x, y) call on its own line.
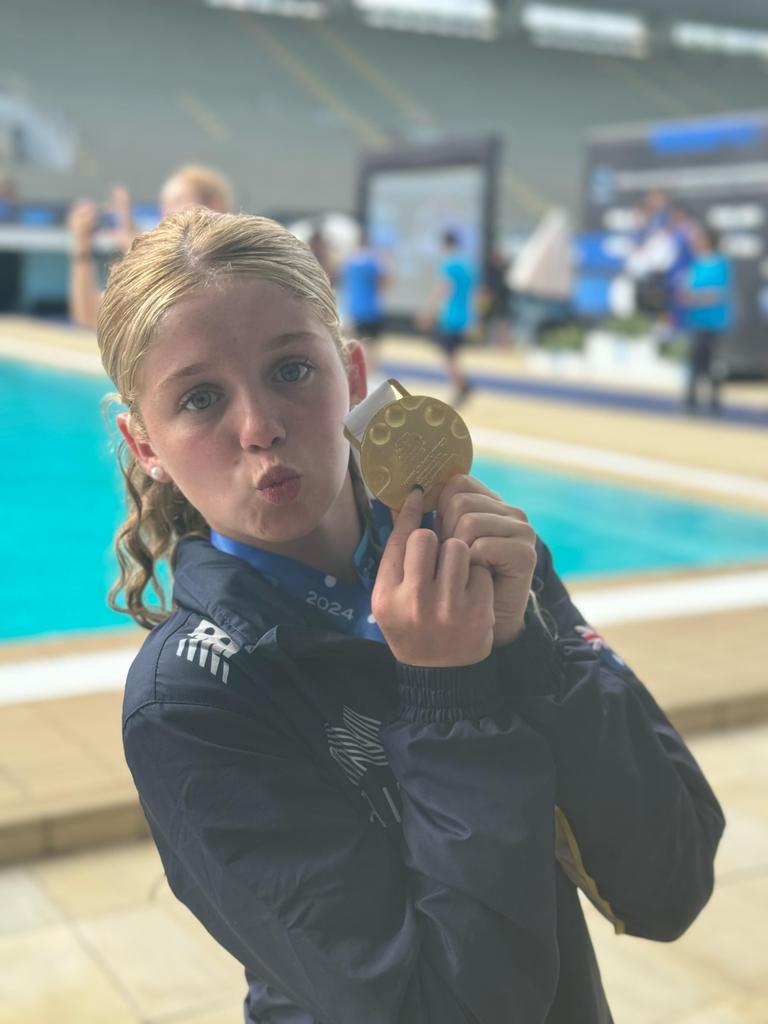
point(63, 779)
point(97, 937)
point(718, 972)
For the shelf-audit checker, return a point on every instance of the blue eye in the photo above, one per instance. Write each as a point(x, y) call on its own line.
point(294, 371)
point(199, 401)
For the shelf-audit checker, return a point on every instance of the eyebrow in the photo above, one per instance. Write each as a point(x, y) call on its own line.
point(277, 342)
point(290, 336)
point(184, 371)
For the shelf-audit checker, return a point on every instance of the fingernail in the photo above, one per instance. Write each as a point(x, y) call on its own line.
point(417, 487)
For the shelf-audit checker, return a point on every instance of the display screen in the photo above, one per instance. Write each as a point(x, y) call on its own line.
point(407, 212)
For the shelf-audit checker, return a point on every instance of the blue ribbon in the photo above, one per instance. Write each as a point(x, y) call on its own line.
point(346, 606)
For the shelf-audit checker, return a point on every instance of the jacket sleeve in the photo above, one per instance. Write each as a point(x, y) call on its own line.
point(450, 922)
point(638, 825)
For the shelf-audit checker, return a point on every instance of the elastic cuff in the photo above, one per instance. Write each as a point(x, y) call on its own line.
point(530, 665)
point(449, 694)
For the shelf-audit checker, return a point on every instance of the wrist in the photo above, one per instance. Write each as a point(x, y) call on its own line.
point(83, 255)
point(508, 633)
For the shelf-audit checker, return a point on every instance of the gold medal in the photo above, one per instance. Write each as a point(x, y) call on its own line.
point(412, 440)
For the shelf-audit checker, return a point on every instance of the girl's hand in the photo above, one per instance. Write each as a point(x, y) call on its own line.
point(500, 539)
point(433, 607)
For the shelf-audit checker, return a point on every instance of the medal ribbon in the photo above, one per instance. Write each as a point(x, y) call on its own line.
point(346, 606)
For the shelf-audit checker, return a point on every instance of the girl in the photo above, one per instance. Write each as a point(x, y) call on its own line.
point(376, 764)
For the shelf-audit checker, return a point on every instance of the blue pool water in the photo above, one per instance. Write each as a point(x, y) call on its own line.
point(62, 500)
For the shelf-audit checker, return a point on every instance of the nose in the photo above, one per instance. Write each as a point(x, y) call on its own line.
point(259, 426)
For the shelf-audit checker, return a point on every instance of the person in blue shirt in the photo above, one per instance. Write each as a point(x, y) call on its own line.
point(379, 753)
point(450, 311)
point(363, 278)
point(706, 296)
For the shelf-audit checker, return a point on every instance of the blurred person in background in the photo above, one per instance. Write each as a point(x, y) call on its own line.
point(194, 185)
point(683, 228)
point(706, 297)
point(191, 185)
point(655, 209)
point(450, 311)
point(662, 254)
point(363, 278)
point(652, 256)
point(318, 243)
point(496, 298)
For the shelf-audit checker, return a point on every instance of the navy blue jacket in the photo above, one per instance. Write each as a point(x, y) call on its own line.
point(379, 843)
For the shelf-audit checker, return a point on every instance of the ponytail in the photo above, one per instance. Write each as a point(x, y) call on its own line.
point(158, 516)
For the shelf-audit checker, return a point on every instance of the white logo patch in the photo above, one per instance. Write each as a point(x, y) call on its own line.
point(211, 641)
point(356, 744)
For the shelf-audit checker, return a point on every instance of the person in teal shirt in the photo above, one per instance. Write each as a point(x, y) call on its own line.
point(451, 310)
point(707, 301)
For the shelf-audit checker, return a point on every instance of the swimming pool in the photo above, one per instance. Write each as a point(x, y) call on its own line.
point(62, 502)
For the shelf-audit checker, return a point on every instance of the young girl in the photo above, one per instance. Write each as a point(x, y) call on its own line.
point(380, 802)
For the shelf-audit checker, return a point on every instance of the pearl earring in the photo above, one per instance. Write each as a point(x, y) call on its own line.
point(156, 472)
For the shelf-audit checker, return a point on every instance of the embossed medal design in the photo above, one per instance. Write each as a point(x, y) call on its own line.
point(413, 440)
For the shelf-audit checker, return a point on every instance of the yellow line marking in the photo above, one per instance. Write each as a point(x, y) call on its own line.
point(87, 163)
point(317, 88)
point(522, 191)
point(376, 78)
point(664, 99)
point(205, 118)
point(524, 194)
point(697, 89)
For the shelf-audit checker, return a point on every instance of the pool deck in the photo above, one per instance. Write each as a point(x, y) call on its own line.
point(96, 935)
point(63, 783)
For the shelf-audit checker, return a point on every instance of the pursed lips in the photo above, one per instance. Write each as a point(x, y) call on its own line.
point(275, 478)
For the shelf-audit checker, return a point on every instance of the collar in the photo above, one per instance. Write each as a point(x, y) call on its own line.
point(346, 606)
point(238, 596)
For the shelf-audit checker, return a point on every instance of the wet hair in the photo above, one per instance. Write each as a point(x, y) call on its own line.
point(212, 189)
point(183, 255)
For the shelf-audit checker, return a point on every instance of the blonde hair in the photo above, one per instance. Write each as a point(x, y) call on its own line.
point(211, 187)
point(186, 253)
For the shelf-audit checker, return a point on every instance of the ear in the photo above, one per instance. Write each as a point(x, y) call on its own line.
point(356, 373)
point(138, 442)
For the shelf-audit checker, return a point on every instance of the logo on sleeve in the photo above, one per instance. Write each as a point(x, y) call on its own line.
point(597, 642)
point(356, 747)
point(212, 647)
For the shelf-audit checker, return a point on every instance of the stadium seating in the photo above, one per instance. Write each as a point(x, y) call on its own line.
point(286, 106)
